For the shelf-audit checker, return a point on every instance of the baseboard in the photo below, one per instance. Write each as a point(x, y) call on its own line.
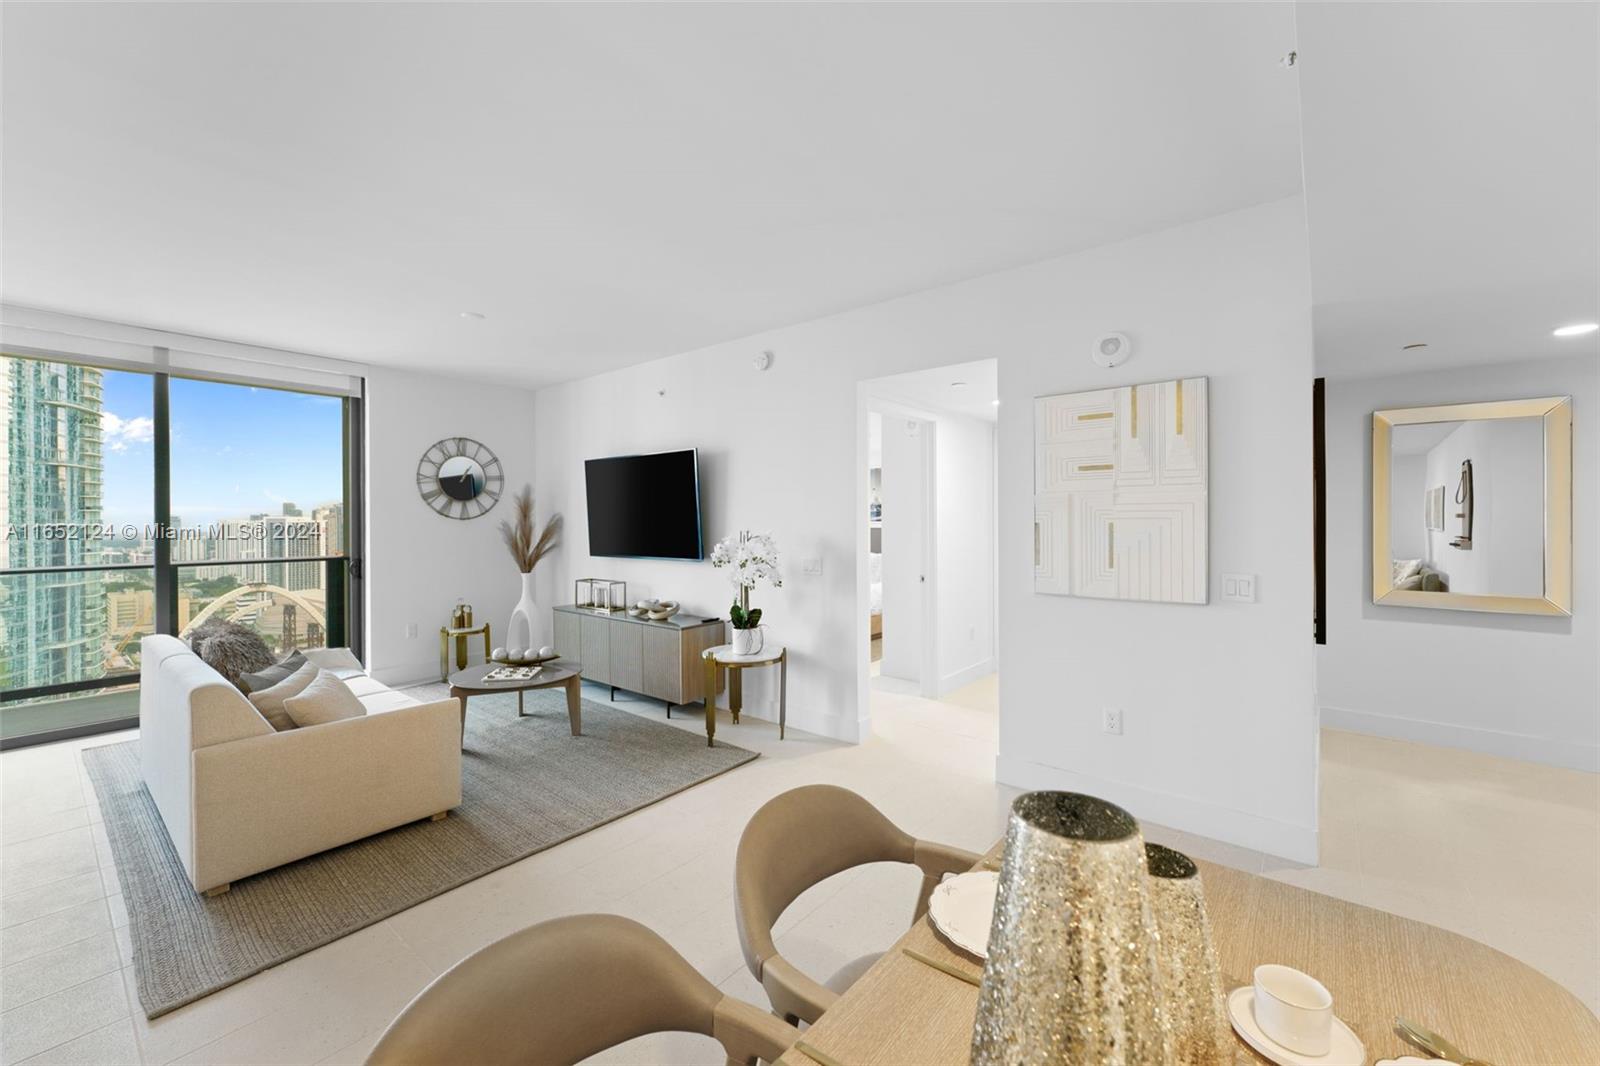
point(1467, 738)
point(405, 674)
point(832, 726)
point(962, 678)
point(1294, 842)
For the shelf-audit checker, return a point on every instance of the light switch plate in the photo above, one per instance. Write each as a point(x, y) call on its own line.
point(811, 564)
point(1239, 588)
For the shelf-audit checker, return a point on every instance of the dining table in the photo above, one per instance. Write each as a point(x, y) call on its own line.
point(911, 1007)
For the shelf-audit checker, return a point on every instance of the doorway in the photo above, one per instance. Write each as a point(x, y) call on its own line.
point(926, 567)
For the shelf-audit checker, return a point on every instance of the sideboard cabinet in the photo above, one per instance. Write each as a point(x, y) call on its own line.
point(656, 659)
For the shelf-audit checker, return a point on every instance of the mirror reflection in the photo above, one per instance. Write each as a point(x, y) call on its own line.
point(1466, 511)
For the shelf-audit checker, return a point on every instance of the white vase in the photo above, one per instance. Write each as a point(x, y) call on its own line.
point(521, 631)
point(748, 641)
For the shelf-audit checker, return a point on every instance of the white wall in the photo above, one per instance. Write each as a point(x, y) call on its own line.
point(1220, 735)
point(1524, 687)
point(420, 563)
point(1407, 532)
point(964, 548)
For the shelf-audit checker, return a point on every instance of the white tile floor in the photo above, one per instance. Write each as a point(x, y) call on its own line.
point(1505, 852)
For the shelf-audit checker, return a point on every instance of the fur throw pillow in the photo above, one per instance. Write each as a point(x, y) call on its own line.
point(231, 649)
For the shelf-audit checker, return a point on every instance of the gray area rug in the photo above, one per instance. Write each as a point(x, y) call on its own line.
point(526, 783)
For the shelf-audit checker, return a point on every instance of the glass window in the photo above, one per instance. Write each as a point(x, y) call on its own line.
point(256, 480)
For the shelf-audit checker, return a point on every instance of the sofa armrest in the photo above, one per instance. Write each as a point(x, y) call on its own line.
point(267, 800)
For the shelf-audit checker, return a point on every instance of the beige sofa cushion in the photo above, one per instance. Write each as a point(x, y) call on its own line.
point(326, 699)
point(269, 701)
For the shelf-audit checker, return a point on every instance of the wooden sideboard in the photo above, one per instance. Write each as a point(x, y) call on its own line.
point(656, 659)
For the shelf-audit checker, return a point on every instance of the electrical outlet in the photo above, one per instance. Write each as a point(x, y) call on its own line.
point(811, 564)
point(411, 630)
point(1111, 721)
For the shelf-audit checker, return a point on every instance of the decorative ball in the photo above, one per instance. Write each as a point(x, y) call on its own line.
point(516, 654)
point(498, 654)
point(547, 652)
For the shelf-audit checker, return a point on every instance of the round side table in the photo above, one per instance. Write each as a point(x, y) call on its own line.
point(722, 657)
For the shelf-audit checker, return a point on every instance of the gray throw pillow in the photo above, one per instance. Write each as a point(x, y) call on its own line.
point(262, 679)
point(326, 699)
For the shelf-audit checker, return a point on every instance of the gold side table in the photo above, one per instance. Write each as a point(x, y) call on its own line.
point(722, 656)
point(460, 635)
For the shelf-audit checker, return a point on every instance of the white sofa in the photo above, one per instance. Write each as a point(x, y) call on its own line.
point(238, 797)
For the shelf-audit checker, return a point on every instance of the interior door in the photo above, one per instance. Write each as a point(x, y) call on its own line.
point(905, 545)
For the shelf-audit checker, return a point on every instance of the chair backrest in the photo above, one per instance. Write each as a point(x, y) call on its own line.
point(563, 990)
point(796, 840)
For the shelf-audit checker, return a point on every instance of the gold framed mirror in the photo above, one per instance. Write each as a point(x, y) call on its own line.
point(1472, 506)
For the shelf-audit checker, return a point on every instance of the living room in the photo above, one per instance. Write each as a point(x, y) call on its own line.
point(440, 527)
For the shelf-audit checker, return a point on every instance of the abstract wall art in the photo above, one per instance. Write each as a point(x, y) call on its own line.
point(1120, 493)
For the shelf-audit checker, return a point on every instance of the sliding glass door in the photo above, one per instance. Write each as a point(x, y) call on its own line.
point(140, 503)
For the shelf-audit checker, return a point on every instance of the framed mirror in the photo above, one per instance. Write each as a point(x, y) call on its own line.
point(1472, 506)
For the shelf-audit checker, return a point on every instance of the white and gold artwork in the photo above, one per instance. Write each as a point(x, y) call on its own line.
point(1120, 493)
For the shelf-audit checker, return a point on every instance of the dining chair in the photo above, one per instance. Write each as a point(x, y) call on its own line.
point(563, 990)
point(797, 840)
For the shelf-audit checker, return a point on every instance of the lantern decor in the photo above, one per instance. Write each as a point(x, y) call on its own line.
point(1072, 967)
point(1190, 979)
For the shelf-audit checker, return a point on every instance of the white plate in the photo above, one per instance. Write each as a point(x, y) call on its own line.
point(1347, 1049)
point(962, 908)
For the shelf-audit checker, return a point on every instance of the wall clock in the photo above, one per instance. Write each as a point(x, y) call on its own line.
point(460, 478)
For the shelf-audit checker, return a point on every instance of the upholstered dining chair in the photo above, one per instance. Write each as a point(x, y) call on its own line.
point(798, 839)
point(563, 990)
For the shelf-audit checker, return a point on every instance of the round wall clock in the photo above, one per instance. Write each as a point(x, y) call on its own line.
point(460, 478)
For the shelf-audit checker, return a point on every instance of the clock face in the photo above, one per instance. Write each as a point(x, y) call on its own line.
point(460, 478)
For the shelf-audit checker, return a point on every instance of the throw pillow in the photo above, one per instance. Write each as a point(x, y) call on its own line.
point(326, 699)
point(342, 661)
point(231, 649)
point(269, 701)
point(264, 679)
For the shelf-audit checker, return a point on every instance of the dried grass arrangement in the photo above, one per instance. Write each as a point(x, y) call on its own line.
point(526, 550)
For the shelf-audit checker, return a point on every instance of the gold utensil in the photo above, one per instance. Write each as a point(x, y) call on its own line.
point(946, 967)
point(1436, 1045)
point(821, 1056)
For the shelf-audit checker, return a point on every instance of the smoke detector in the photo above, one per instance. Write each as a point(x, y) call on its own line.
point(1112, 349)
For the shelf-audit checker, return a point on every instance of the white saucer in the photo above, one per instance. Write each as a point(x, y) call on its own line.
point(962, 908)
point(1347, 1049)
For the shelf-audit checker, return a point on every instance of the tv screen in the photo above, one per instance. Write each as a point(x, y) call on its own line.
point(645, 505)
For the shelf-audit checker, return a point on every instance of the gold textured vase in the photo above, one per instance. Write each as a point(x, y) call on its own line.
point(1071, 972)
point(1190, 980)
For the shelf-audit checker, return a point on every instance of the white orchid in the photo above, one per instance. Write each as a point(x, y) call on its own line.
point(749, 558)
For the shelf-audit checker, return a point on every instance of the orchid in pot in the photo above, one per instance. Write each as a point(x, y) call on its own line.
point(751, 558)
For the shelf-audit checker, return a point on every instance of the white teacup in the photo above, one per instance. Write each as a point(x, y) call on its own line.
point(1294, 1009)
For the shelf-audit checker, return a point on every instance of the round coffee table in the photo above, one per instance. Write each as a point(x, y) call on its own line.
point(470, 682)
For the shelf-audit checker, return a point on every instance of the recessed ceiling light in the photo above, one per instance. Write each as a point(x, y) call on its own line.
point(958, 384)
point(1577, 329)
point(479, 315)
point(1413, 347)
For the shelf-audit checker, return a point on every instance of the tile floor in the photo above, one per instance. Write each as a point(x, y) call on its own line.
point(1502, 851)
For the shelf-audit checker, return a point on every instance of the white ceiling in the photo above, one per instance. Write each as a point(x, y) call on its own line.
point(1452, 181)
point(606, 183)
point(969, 389)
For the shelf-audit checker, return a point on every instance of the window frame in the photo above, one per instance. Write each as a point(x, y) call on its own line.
point(347, 579)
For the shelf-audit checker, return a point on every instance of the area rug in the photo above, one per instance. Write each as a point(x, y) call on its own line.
point(526, 783)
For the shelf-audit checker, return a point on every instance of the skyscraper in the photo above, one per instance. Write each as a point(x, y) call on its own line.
point(53, 625)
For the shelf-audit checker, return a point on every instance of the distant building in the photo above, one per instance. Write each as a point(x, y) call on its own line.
point(53, 625)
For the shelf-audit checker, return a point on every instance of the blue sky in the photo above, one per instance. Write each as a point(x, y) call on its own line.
point(236, 450)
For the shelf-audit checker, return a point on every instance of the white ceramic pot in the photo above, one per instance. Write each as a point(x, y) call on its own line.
point(748, 641)
point(521, 632)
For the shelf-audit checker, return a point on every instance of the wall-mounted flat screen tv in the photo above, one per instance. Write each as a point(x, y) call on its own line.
point(645, 506)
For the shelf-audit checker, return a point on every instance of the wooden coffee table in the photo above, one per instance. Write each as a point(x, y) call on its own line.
point(470, 682)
